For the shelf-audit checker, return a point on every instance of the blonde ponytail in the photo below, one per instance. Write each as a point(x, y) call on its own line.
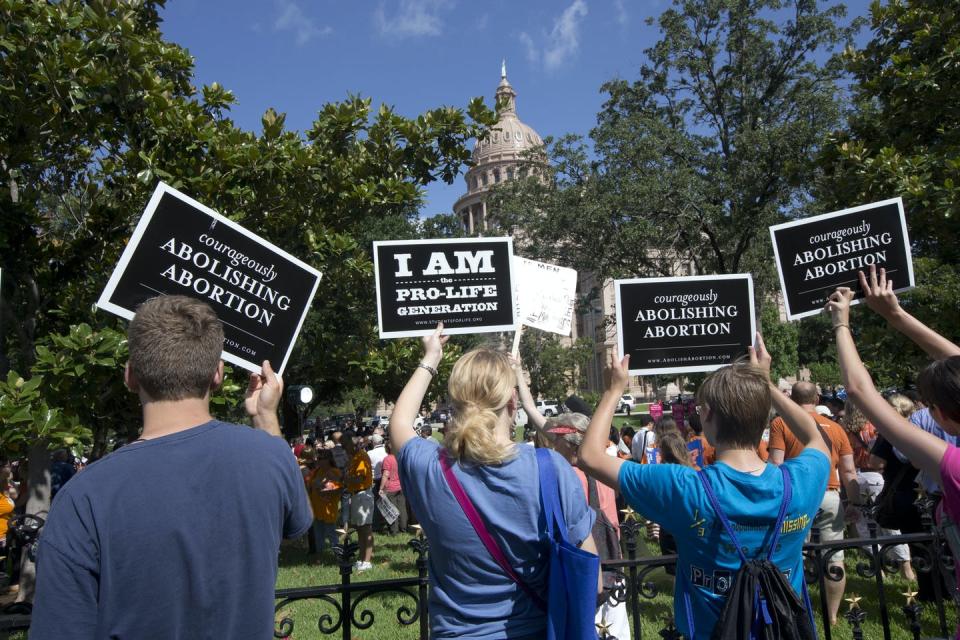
point(481, 384)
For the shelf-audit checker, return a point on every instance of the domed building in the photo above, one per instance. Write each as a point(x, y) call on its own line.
point(504, 155)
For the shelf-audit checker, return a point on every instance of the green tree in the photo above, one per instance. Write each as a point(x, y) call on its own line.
point(554, 367)
point(714, 142)
point(902, 137)
point(95, 107)
point(781, 339)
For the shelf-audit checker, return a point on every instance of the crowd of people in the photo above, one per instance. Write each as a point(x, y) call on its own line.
point(191, 515)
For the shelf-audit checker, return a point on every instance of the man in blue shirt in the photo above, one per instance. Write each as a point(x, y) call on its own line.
point(733, 404)
point(176, 534)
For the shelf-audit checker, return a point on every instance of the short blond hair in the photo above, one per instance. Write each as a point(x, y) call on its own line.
point(481, 384)
point(904, 405)
point(739, 397)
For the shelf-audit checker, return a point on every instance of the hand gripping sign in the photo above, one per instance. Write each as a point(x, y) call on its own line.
point(261, 293)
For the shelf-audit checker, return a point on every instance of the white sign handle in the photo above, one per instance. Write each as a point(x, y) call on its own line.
point(516, 341)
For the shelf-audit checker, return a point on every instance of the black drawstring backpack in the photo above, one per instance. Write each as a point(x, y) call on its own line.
point(761, 604)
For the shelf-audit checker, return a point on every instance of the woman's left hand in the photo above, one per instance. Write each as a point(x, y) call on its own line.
point(433, 345)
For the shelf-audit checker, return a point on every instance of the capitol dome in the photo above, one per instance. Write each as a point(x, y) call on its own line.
point(502, 156)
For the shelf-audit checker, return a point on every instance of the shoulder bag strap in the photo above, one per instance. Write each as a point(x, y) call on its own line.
point(550, 496)
point(787, 498)
point(476, 521)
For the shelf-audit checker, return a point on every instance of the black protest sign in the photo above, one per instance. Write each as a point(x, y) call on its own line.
point(816, 255)
point(466, 283)
point(180, 247)
point(677, 325)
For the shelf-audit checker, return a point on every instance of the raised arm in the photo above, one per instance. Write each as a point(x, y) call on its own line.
point(922, 449)
point(880, 297)
point(593, 458)
point(800, 422)
point(263, 398)
point(408, 404)
point(526, 398)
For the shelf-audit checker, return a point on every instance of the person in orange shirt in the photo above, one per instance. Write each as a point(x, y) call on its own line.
point(830, 521)
point(324, 486)
point(6, 505)
point(695, 434)
point(358, 485)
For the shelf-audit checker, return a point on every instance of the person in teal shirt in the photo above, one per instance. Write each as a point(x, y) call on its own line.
point(733, 404)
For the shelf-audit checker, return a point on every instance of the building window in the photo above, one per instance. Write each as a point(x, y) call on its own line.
point(496, 175)
point(484, 179)
point(510, 173)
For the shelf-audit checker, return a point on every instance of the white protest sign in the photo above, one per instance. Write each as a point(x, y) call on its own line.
point(545, 295)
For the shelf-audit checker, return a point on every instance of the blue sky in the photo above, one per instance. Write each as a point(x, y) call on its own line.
point(296, 55)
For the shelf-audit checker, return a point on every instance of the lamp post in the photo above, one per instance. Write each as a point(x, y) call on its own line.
point(300, 396)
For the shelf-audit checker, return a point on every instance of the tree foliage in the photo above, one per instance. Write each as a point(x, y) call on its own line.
point(554, 367)
point(714, 142)
point(903, 135)
point(95, 107)
point(902, 138)
point(780, 339)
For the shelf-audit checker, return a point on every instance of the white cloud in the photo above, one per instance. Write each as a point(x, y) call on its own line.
point(533, 54)
point(414, 18)
point(561, 43)
point(292, 18)
point(564, 39)
point(622, 16)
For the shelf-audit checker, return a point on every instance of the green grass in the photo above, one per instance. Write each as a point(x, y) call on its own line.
point(393, 559)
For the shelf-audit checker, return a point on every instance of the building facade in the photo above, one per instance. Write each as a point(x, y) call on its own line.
point(503, 156)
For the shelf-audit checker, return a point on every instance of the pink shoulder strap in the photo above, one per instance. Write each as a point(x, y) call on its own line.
point(477, 522)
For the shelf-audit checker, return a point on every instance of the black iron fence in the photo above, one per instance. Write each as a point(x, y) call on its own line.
point(350, 610)
point(347, 604)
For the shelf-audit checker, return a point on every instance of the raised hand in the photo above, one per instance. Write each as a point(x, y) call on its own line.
point(839, 306)
point(263, 392)
point(617, 374)
point(433, 345)
point(759, 356)
point(878, 292)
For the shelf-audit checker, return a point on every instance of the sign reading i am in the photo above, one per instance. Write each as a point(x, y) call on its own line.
point(466, 283)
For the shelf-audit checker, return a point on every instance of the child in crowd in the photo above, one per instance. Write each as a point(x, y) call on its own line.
point(939, 385)
point(392, 490)
point(358, 486)
point(324, 485)
point(733, 404)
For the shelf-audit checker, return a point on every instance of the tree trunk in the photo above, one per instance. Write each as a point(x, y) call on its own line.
point(37, 504)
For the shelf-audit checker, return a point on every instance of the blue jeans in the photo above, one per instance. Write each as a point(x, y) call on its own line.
point(325, 532)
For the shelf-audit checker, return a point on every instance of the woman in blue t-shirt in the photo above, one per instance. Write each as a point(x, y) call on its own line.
point(471, 595)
